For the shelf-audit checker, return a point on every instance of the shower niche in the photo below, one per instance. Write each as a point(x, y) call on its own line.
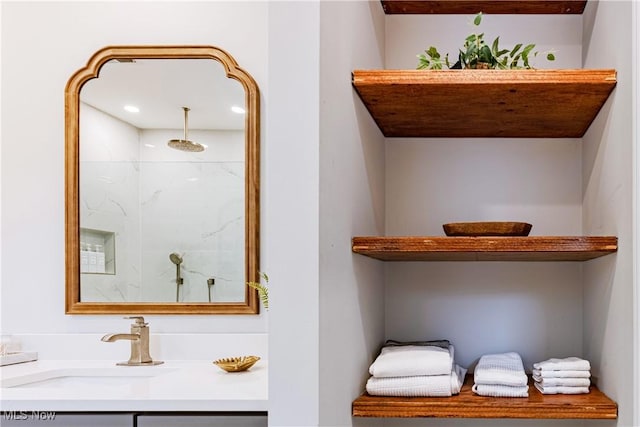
point(97, 252)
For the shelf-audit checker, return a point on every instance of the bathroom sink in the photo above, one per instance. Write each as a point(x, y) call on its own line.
point(85, 377)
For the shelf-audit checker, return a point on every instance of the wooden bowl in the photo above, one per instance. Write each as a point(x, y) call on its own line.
point(490, 228)
point(236, 364)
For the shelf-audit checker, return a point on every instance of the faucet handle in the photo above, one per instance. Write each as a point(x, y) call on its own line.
point(139, 320)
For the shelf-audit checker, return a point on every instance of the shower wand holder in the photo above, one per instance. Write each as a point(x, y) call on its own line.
point(177, 260)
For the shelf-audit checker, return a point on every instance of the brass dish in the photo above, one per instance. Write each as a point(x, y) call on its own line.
point(491, 228)
point(236, 364)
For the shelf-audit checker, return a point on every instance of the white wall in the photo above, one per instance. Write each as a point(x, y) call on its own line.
point(635, 28)
point(292, 218)
point(607, 209)
point(351, 204)
point(409, 35)
point(485, 307)
point(43, 44)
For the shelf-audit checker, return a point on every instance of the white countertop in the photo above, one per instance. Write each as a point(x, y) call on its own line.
point(194, 385)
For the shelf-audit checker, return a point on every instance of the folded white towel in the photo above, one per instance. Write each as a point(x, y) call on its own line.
point(495, 390)
point(500, 369)
point(566, 364)
point(561, 390)
point(561, 374)
point(457, 378)
point(410, 360)
point(418, 386)
point(562, 382)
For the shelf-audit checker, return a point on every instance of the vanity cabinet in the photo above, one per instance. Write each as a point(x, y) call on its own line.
point(506, 103)
point(197, 420)
point(54, 419)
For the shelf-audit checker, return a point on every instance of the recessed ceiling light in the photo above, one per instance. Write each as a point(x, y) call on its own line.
point(131, 108)
point(237, 110)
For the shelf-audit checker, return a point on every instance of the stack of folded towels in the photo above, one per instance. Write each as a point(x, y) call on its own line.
point(562, 376)
point(415, 369)
point(500, 375)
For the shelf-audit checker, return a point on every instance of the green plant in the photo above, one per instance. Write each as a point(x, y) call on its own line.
point(263, 291)
point(475, 53)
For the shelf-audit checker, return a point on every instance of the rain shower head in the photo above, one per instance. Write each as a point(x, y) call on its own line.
point(185, 144)
point(175, 258)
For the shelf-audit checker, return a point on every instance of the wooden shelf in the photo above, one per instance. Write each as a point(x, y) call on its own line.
point(594, 405)
point(409, 7)
point(484, 103)
point(531, 248)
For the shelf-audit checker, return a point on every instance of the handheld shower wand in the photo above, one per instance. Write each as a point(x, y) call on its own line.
point(177, 260)
point(210, 282)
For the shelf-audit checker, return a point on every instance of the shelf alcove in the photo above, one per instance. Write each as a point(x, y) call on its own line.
point(560, 103)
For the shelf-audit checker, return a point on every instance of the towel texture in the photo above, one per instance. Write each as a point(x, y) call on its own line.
point(436, 343)
point(496, 390)
point(562, 382)
point(566, 364)
point(412, 360)
point(561, 374)
point(561, 390)
point(418, 386)
point(500, 369)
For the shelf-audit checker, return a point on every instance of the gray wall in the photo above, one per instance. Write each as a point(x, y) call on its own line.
point(352, 201)
point(607, 208)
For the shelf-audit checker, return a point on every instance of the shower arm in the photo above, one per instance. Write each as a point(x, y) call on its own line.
point(186, 123)
point(179, 281)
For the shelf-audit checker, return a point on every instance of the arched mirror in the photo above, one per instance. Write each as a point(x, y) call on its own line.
point(162, 183)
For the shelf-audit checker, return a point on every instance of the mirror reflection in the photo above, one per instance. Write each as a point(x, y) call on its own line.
point(162, 147)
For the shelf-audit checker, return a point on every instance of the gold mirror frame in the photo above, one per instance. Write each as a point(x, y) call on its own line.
point(73, 305)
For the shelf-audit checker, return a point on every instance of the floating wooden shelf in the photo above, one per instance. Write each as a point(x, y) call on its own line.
point(484, 103)
point(595, 405)
point(409, 7)
point(530, 248)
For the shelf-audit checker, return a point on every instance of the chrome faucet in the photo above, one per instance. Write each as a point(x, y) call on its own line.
point(139, 338)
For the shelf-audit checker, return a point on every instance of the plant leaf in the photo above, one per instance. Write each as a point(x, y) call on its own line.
point(528, 48)
point(477, 19)
point(485, 54)
point(433, 52)
point(263, 293)
point(494, 46)
point(515, 49)
point(551, 57)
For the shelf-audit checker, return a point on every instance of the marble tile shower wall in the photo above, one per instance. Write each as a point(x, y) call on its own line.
point(158, 201)
point(195, 209)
